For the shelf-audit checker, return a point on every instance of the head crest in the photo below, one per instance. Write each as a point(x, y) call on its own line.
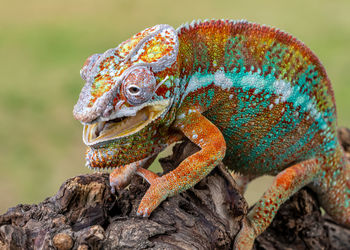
point(155, 48)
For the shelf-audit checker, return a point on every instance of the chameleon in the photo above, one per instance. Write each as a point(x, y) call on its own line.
point(249, 95)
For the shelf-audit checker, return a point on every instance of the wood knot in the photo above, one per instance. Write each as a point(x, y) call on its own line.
point(63, 241)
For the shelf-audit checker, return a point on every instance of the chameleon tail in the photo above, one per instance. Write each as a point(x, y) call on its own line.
point(336, 199)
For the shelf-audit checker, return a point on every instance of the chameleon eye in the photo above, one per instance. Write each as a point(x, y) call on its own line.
point(134, 90)
point(139, 86)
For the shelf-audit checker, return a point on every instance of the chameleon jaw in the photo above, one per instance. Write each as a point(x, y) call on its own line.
point(104, 131)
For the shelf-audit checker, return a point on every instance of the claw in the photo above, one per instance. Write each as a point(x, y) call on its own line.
point(156, 193)
point(146, 213)
point(143, 212)
point(112, 190)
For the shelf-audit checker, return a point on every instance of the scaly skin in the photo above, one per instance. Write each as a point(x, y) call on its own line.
point(249, 95)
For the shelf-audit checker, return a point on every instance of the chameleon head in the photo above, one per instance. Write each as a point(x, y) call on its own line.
point(126, 94)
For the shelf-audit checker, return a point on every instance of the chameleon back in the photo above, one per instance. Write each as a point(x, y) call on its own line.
point(265, 90)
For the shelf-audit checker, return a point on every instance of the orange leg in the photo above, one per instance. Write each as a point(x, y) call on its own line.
point(285, 184)
point(149, 176)
point(195, 167)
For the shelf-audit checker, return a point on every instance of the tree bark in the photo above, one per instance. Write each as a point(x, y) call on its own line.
point(85, 215)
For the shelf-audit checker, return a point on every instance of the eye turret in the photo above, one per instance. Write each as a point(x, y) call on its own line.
point(139, 86)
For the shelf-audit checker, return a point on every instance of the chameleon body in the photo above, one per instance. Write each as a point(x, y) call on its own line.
point(247, 94)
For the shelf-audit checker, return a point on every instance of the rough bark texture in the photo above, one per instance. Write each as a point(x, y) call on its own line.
point(85, 215)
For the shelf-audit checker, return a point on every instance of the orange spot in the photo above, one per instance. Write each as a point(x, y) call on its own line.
point(285, 179)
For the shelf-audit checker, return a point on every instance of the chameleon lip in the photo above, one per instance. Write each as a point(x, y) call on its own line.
point(105, 131)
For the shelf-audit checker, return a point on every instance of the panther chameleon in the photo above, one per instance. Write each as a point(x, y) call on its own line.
point(249, 95)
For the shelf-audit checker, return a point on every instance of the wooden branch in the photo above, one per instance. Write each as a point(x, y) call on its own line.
point(85, 215)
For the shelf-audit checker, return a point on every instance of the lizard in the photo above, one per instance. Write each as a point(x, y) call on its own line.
point(249, 95)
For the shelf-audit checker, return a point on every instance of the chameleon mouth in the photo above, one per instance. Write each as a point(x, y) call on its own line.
point(105, 131)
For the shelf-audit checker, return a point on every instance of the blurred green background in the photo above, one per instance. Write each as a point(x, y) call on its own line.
point(43, 45)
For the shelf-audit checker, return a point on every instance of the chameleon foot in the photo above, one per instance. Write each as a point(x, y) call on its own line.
point(245, 238)
point(156, 193)
point(153, 197)
point(121, 176)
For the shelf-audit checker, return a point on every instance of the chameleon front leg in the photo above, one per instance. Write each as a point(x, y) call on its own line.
point(121, 176)
point(208, 137)
point(285, 184)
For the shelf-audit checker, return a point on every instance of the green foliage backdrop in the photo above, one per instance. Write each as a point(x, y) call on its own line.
point(43, 44)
